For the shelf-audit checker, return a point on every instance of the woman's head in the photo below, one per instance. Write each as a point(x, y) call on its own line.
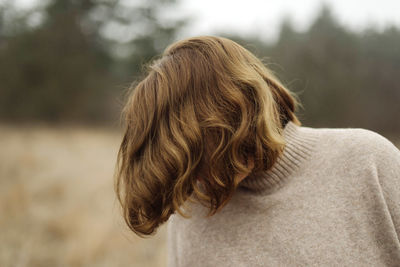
point(203, 108)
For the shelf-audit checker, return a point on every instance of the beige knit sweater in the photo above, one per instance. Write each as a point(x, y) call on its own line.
point(331, 199)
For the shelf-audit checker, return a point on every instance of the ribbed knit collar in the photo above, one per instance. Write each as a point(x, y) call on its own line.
point(300, 144)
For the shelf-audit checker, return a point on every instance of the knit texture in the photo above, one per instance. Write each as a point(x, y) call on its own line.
point(331, 199)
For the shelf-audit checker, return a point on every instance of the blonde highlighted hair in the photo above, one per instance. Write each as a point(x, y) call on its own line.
point(204, 108)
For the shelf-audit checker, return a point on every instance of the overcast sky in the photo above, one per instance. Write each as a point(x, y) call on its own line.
point(264, 16)
point(258, 16)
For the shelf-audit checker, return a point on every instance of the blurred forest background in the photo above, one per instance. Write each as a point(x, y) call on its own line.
point(65, 67)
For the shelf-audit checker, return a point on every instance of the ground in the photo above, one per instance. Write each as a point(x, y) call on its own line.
point(57, 204)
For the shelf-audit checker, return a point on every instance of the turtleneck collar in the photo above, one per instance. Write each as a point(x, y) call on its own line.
point(300, 143)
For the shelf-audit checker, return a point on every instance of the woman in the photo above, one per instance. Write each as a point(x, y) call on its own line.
point(213, 145)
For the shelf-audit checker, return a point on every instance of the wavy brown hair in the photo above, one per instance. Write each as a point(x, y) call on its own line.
point(204, 107)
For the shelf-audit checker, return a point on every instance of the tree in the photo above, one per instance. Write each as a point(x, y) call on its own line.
point(65, 68)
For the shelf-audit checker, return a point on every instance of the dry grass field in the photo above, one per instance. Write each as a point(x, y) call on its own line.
point(57, 204)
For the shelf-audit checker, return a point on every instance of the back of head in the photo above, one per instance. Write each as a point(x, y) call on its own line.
point(204, 108)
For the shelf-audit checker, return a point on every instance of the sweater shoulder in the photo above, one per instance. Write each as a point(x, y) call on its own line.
point(359, 141)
